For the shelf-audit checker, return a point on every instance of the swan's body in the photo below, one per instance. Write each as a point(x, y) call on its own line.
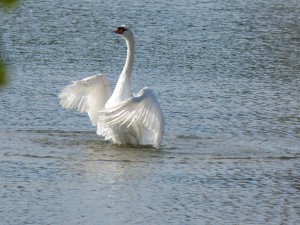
point(119, 116)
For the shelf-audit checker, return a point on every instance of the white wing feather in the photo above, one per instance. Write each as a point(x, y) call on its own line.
point(87, 95)
point(142, 110)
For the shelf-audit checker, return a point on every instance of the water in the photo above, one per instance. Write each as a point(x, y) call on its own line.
point(227, 76)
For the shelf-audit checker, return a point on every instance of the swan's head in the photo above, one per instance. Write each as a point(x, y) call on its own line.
point(124, 31)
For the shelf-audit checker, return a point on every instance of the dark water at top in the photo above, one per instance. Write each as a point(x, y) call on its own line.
point(227, 75)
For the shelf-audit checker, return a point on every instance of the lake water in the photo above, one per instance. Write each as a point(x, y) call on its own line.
point(227, 75)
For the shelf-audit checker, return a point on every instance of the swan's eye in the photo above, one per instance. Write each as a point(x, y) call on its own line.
point(121, 30)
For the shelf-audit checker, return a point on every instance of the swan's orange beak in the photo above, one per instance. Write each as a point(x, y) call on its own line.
point(120, 30)
point(116, 31)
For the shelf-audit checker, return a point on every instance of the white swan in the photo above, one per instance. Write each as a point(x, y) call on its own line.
point(120, 117)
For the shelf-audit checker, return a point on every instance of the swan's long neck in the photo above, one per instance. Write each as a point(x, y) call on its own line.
point(127, 70)
point(122, 89)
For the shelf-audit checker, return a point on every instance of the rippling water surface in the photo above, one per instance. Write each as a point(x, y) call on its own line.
point(227, 75)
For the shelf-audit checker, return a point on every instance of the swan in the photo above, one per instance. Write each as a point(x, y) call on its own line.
point(119, 116)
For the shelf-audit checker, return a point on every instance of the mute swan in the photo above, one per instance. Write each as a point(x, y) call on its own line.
point(119, 116)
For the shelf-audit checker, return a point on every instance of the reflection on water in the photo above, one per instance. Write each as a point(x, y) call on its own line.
point(227, 77)
point(88, 181)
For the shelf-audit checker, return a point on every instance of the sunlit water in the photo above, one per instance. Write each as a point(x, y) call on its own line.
point(227, 75)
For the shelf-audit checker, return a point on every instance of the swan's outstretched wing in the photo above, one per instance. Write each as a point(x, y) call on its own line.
point(88, 95)
point(143, 110)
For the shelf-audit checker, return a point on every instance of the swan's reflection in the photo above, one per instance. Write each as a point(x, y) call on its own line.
point(113, 164)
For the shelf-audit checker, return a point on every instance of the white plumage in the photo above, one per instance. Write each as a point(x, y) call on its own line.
point(88, 95)
point(119, 116)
